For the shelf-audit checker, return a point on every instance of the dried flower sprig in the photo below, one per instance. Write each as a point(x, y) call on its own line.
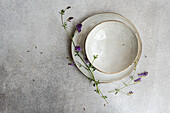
point(88, 66)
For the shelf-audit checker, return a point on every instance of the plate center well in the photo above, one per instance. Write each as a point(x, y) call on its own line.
point(115, 44)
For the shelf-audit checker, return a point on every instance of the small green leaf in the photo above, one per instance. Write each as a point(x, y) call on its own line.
point(95, 56)
point(90, 65)
point(97, 82)
point(110, 91)
point(97, 91)
point(94, 69)
point(76, 54)
point(104, 97)
point(67, 58)
point(65, 25)
point(131, 77)
point(62, 12)
point(116, 93)
point(124, 83)
point(116, 89)
point(90, 79)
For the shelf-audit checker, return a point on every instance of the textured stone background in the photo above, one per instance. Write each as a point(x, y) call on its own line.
point(31, 82)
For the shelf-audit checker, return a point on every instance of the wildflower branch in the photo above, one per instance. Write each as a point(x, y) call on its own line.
point(130, 82)
point(89, 67)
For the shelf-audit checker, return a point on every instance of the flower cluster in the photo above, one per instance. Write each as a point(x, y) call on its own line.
point(77, 48)
point(144, 74)
point(130, 92)
point(72, 63)
point(137, 80)
point(85, 58)
point(78, 27)
point(69, 19)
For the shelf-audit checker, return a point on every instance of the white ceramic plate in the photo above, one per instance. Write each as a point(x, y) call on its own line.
point(79, 39)
point(115, 44)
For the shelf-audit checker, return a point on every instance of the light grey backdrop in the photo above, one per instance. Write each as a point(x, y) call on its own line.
point(34, 82)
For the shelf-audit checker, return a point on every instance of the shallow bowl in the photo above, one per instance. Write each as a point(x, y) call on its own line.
point(116, 45)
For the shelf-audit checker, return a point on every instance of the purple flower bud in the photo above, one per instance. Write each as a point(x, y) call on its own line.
point(72, 63)
point(77, 48)
point(78, 27)
point(144, 74)
point(86, 60)
point(69, 19)
point(137, 80)
point(130, 92)
point(68, 7)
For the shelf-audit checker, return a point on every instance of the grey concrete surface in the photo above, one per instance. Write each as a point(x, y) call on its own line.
point(31, 82)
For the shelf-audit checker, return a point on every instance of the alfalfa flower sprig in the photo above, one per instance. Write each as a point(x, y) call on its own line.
point(133, 80)
point(77, 51)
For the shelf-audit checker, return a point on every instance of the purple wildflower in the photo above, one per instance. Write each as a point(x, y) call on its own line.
point(86, 60)
point(69, 19)
point(137, 80)
point(144, 74)
point(130, 92)
point(77, 48)
point(72, 63)
point(78, 27)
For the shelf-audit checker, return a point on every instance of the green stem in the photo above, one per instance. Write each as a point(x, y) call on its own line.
point(132, 76)
point(70, 37)
point(61, 19)
point(78, 54)
point(104, 98)
point(73, 41)
point(123, 93)
point(83, 59)
point(128, 84)
point(93, 61)
point(82, 65)
point(111, 91)
point(122, 87)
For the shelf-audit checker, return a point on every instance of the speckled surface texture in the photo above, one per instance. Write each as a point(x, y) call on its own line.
point(40, 81)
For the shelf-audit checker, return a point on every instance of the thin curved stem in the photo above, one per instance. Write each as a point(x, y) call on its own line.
point(88, 68)
point(104, 98)
point(123, 93)
point(61, 19)
point(128, 84)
